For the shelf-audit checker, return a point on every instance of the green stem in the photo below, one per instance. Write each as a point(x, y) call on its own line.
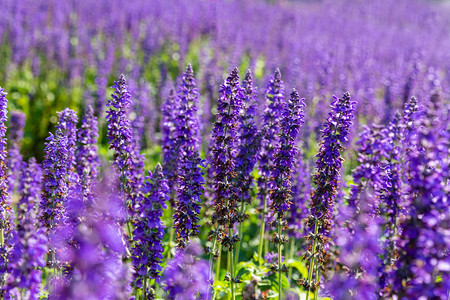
point(211, 263)
point(171, 232)
point(238, 246)
point(291, 255)
point(218, 262)
point(313, 258)
point(1, 237)
point(279, 259)
point(263, 224)
point(316, 292)
point(231, 270)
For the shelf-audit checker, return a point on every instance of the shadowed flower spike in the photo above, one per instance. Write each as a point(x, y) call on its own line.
point(120, 139)
point(186, 277)
point(284, 158)
point(423, 244)
point(328, 165)
point(16, 126)
point(5, 209)
point(356, 274)
point(27, 259)
point(169, 141)
point(224, 151)
point(190, 185)
point(271, 127)
point(87, 155)
point(55, 185)
point(249, 140)
point(149, 230)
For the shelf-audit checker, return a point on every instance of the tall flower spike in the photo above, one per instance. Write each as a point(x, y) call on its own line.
point(391, 206)
point(301, 189)
point(27, 258)
point(55, 185)
point(271, 120)
point(190, 185)
point(283, 165)
point(149, 230)
point(120, 139)
point(328, 164)
point(224, 151)
point(356, 274)
point(423, 244)
point(284, 159)
point(169, 142)
point(87, 155)
point(249, 146)
point(16, 126)
point(5, 209)
point(186, 277)
point(249, 140)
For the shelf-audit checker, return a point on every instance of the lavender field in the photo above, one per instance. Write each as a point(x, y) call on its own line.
point(224, 149)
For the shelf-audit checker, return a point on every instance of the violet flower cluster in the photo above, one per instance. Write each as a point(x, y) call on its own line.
point(326, 180)
point(224, 152)
point(186, 277)
point(190, 185)
point(87, 163)
point(423, 245)
point(285, 156)
point(149, 230)
point(16, 127)
point(29, 242)
point(120, 139)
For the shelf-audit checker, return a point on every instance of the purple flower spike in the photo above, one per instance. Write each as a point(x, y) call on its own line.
point(328, 165)
point(55, 185)
point(16, 126)
point(271, 120)
point(249, 140)
point(423, 244)
point(284, 159)
point(5, 209)
point(126, 157)
point(87, 155)
point(190, 185)
point(149, 230)
point(224, 152)
point(169, 142)
point(27, 258)
point(186, 277)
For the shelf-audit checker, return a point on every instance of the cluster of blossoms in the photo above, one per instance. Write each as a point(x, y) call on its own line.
point(186, 277)
point(423, 245)
point(30, 244)
point(5, 208)
point(149, 231)
point(120, 137)
point(190, 185)
point(326, 180)
point(87, 155)
point(224, 152)
point(16, 127)
point(271, 127)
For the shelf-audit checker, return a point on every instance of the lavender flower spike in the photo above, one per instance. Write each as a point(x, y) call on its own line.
point(149, 231)
point(16, 125)
point(120, 139)
point(224, 153)
point(5, 209)
point(186, 277)
point(284, 160)
point(55, 185)
point(190, 185)
point(87, 156)
point(27, 258)
point(328, 164)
